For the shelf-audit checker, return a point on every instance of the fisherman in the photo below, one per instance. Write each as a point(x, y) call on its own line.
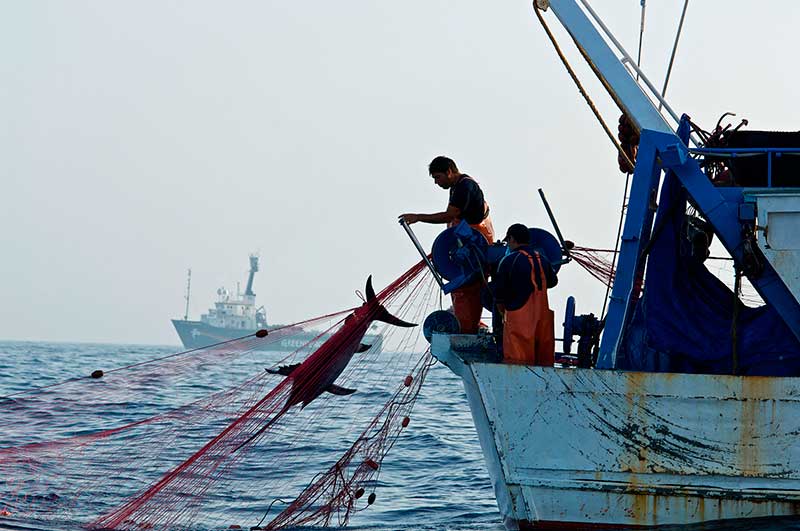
point(466, 202)
point(523, 278)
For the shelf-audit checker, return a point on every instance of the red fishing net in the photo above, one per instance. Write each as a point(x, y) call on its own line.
point(597, 262)
point(204, 456)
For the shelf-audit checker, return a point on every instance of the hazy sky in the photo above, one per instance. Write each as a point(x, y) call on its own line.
point(138, 139)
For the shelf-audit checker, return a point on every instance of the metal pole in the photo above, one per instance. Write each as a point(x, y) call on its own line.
point(641, 37)
point(188, 291)
point(672, 57)
point(553, 221)
point(422, 252)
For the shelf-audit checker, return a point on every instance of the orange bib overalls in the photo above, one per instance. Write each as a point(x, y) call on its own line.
point(467, 299)
point(528, 334)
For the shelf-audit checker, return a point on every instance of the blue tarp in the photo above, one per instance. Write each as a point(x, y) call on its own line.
point(683, 321)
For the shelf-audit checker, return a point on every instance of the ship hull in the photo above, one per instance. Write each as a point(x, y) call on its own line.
point(197, 334)
point(582, 448)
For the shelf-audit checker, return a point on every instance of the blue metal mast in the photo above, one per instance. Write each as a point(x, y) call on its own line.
point(661, 148)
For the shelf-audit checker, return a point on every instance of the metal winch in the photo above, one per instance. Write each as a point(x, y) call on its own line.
point(587, 327)
point(462, 255)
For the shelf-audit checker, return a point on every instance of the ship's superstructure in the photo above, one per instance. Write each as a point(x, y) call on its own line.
point(237, 311)
point(689, 411)
point(236, 315)
point(233, 316)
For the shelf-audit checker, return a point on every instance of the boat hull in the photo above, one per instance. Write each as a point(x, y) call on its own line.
point(581, 447)
point(197, 334)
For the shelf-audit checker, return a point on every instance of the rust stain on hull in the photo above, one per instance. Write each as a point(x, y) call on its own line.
point(754, 391)
point(643, 449)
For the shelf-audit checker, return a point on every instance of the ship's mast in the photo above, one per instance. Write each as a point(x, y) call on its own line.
point(253, 269)
point(188, 291)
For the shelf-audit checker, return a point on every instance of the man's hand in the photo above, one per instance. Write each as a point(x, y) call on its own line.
point(439, 217)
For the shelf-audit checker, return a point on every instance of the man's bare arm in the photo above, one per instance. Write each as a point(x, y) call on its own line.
point(447, 216)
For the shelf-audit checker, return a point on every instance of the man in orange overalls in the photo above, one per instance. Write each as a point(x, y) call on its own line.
point(466, 202)
point(521, 284)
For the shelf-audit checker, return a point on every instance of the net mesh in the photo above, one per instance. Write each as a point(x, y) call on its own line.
point(226, 440)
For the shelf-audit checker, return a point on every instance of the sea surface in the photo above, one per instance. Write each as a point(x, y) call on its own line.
point(434, 479)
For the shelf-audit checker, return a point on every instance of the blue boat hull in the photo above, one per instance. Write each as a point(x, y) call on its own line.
point(197, 334)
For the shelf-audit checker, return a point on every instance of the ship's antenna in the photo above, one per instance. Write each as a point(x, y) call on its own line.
point(188, 291)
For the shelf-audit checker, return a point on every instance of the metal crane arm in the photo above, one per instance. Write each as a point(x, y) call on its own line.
point(609, 67)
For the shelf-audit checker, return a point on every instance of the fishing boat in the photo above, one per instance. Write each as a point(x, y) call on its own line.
point(235, 315)
point(684, 406)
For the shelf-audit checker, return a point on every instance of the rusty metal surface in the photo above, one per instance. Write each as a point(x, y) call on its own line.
point(631, 448)
point(475, 348)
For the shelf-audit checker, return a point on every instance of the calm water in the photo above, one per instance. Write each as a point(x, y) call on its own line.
point(434, 478)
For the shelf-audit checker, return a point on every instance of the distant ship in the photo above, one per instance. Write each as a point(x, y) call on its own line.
point(235, 316)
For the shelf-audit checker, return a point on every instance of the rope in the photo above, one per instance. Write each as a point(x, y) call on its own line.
point(610, 281)
point(580, 86)
point(619, 233)
point(672, 57)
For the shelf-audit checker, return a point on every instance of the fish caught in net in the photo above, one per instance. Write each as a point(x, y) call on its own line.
point(232, 432)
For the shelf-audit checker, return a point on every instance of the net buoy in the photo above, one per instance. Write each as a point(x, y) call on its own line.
point(405, 422)
point(262, 333)
point(371, 463)
point(408, 380)
point(371, 499)
point(359, 493)
point(97, 374)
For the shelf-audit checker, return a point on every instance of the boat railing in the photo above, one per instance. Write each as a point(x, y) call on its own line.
point(772, 155)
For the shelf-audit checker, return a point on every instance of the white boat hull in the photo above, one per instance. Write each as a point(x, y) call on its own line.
point(582, 448)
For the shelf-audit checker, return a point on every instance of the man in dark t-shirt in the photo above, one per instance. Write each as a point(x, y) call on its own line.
point(466, 202)
point(466, 199)
point(467, 196)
